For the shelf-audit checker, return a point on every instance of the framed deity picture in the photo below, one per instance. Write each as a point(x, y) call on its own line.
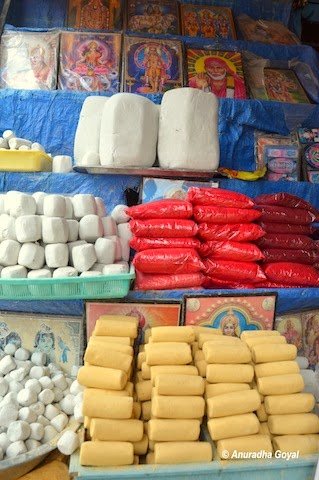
point(94, 14)
point(61, 338)
point(282, 85)
point(158, 17)
point(216, 71)
point(231, 313)
point(207, 21)
point(266, 31)
point(29, 60)
point(90, 62)
point(152, 65)
point(150, 314)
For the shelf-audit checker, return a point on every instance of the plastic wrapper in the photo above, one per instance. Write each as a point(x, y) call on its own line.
point(234, 271)
point(229, 250)
point(308, 257)
point(287, 228)
point(276, 214)
point(286, 241)
point(147, 281)
point(222, 215)
point(139, 244)
point(168, 261)
point(164, 228)
point(239, 232)
point(288, 273)
point(212, 283)
point(168, 208)
point(218, 197)
point(284, 199)
point(277, 285)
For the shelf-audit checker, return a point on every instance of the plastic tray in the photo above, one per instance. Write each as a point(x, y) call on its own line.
point(105, 286)
point(25, 161)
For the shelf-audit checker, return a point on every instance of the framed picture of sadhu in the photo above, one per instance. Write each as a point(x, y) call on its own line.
point(94, 14)
point(207, 22)
point(216, 71)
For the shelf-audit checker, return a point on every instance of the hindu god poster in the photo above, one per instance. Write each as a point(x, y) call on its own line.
point(90, 62)
point(208, 22)
point(282, 85)
point(29, 61)
point(60, 338)
point(94, 14)
point(149, 314)
point(157, 17)
point(216, 71)
point(231, 313)
point(152, 65)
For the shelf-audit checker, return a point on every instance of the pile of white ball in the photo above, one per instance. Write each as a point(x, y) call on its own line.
point(37, 403)
point(49, 235)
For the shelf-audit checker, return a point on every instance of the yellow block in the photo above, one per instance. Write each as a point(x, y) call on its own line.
point(176, 369)
point(207, 330)
point(201, 366)
point(113, 339)
point(178, 407)
point(171, 430)
point(249, 443)
point(119, 347)
point(213, 335)
point(173, 334)
point(106, 454)
point(182, 452)
point(280, 384)
point(218, 353)
point(273, 353)
point(233, 426)
point(264, 430)
point(116, 430)
point(97, 404)
point(140, 448)
point(214, 389)
point(273, 339)
point(168, 353)
point(117, 325)
point(146, 410)
point(234, 403)
point(229, 373)
point(137, 410)
point(294, 424)
point(141, 358)
point(261, 413)
point(172, 384)
point(276, 368)
point(146, 371)
point(144, 390)
point(286, 404)
point(304, 444)
point(104, 356)
point(258, 333)
point(102, 377)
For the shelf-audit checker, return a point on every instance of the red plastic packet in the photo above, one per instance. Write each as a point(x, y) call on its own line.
point(163, 228)
point(168, 208)
point(287, 228)
point(218, 197)
point(235, 271)
point(268, 284)
point(296, 216)
point(308, 257)
point(239, 232)
point(212, 283)
point(222, 215)
point(147, 281)
point(238, 251)
point(168, 261)
point(288, 273)
point(284, 199)
point(286, 241)
point(139, 243)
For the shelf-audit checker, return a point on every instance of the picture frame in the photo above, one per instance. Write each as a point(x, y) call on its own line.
point(90, 62)
point(60, 337)
point(233, 313)
point(157, 17)
point(98, 15)
point(207, 22)
point(150, 314)
point(282, 85)
point(265, 31)
point(217, 71)
point(142, 55)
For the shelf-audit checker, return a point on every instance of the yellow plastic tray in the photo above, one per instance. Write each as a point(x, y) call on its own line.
point(25, 161)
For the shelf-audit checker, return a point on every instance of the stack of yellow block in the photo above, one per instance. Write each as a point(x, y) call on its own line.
point(288, 411)
point(230, 400)
point(177, 404)
point(108, 406)
point(202, 334)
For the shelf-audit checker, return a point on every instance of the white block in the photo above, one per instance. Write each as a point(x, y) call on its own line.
point(18, 374)
point(15, 386)
point(43, 421)
point(18, 430)
point(46, 396)
point(2, 197)
point(16, 142)
point(65, 272)
point(37, 372)
point(54, 230)
point(17, 271)
point(56, 255)
point(71, 246)
point(109, 226)
point(68, 443)
point(26, 397)
point(39, 199)
point(59, 381)
point(49, 433)
point(62, 164)
point(27, 415)
point(60, 422)
point(23, 148)
point(91, 159)
point(124, 231)
point(9, 349)
point(32, 444)
point(51, 411)
point(67, 404)
point(87, 136)
point(100, 207)
point(125, 244)
point(40, 358)
point(78, 413)
point(84, 257)
point(114, 269)
point(7, 227)
point(129, 129)
point(22, 204)
point(31, 256)
point(9, 197)
point(118, 246)
point(37, 146)
point(15, 449)
point(105, 250)
point(90, 273)
point(4, 386)
point(73, 230)
point(54, 206)
point(90, 228)
point(119, 214)
point(41, 273)
point(68, 207)
point(8, 413)
point(4, 441)
point(76, 388)
point(303, 362)
point(97, 267)
point(4, 144)
point(36, 431)
point(188, 130)
point(7, 364)
point(8, 134)
point(83, 204)
point(28, 228)
point(79, 398)
point(38, 408)
point(58, 394)
point(9, 252)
